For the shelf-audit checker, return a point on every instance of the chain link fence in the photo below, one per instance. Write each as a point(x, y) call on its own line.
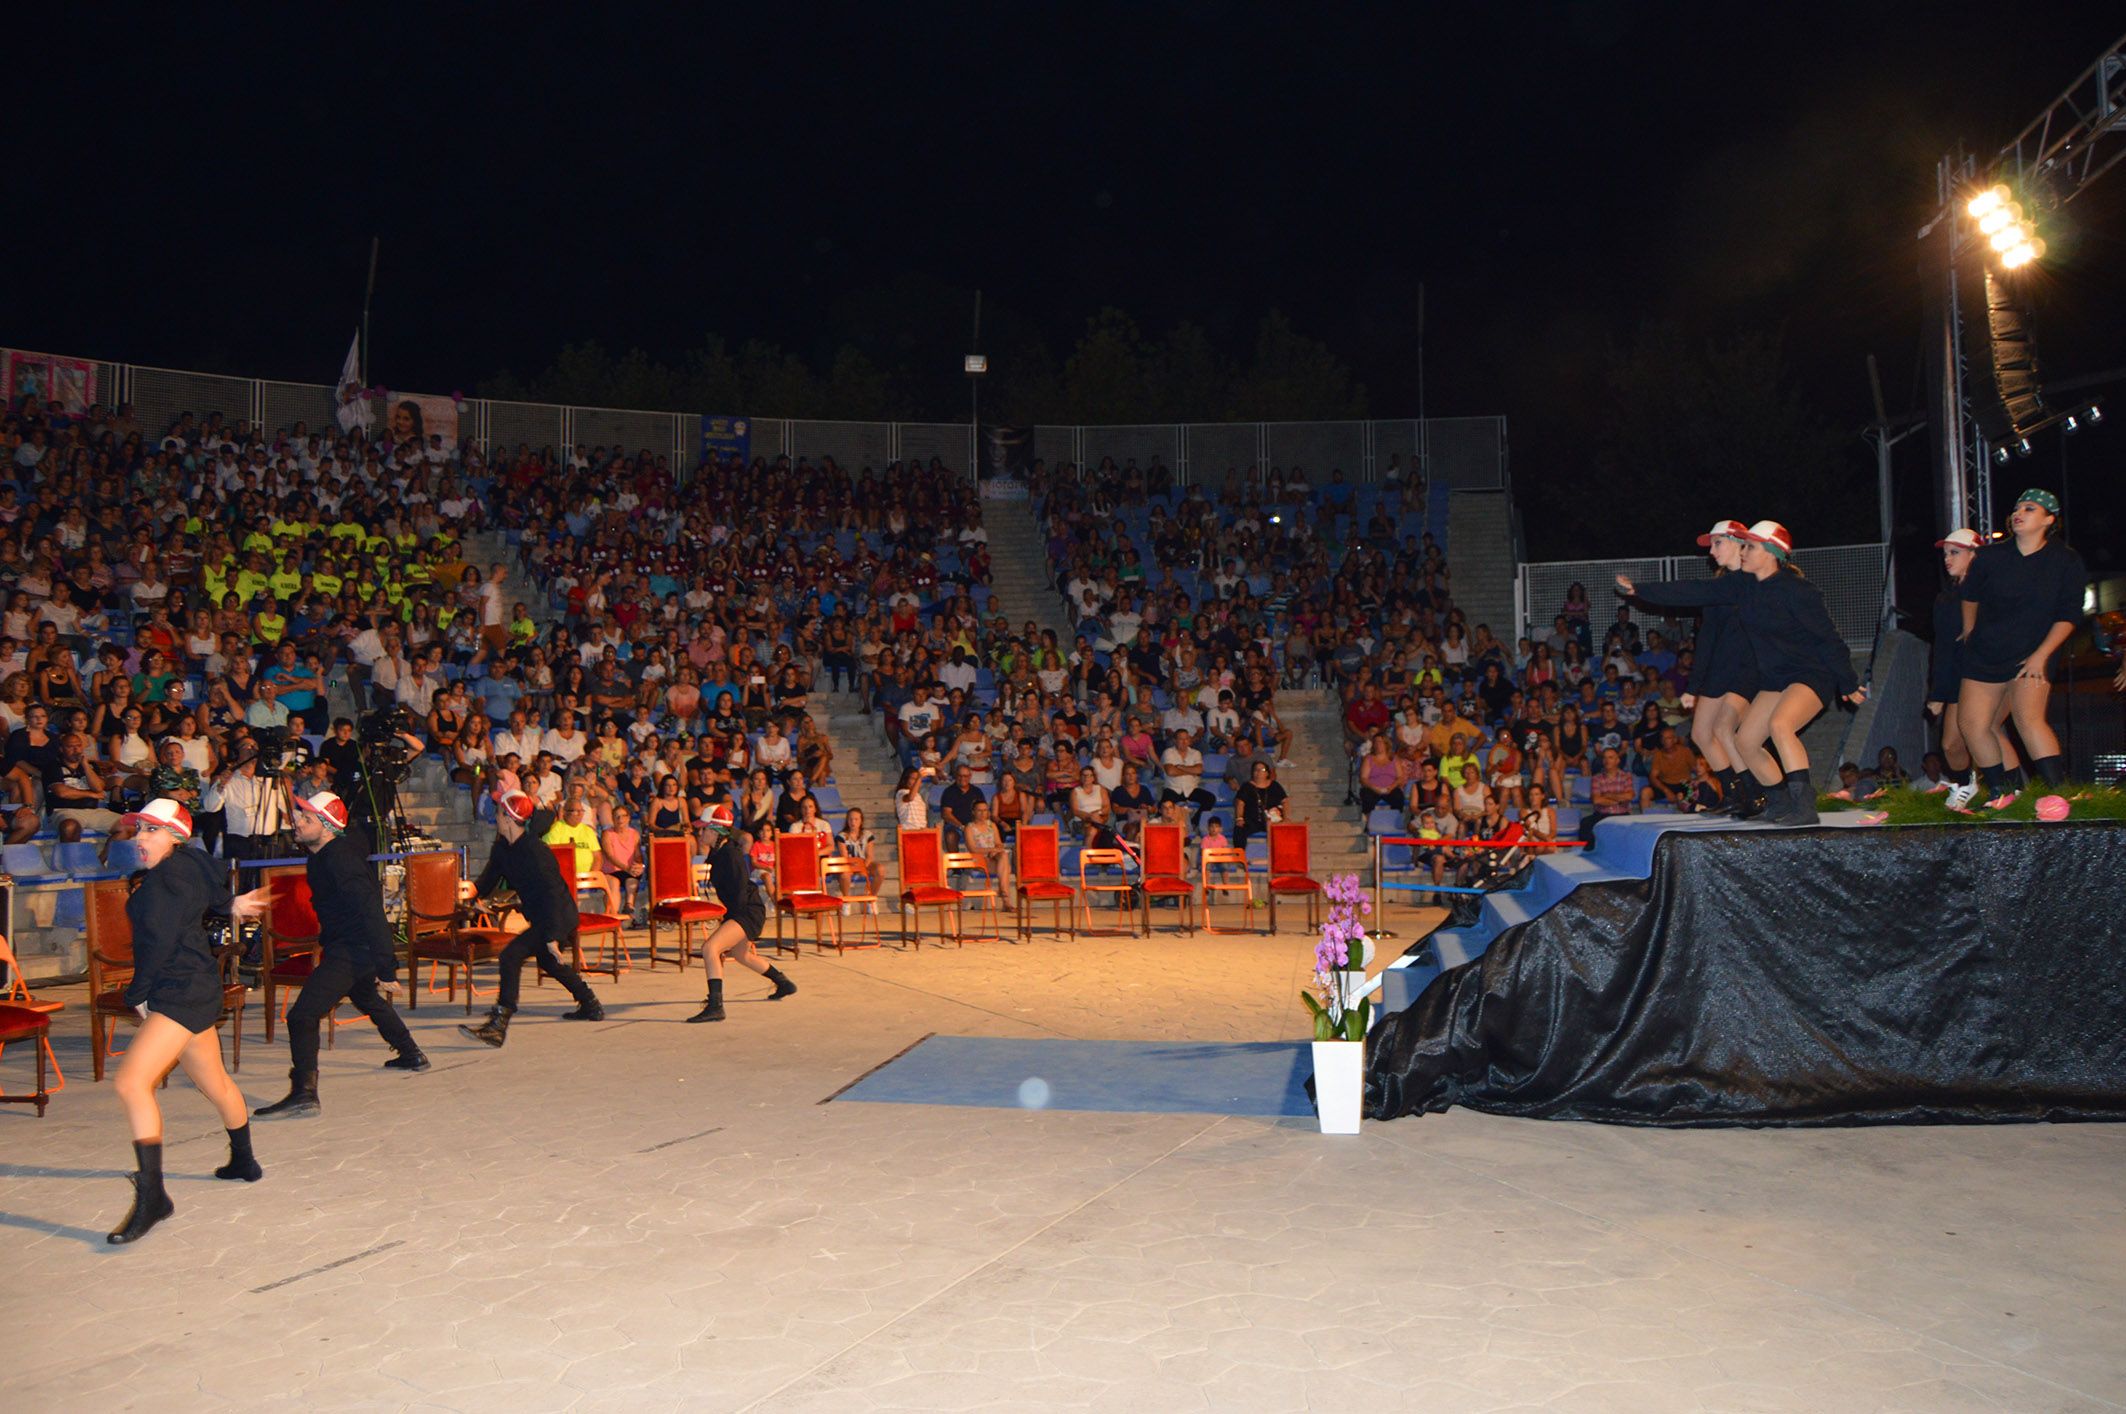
point(1850, 577)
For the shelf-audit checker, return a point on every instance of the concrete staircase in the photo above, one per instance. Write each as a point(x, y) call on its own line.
point(1315, 783)
point(1022, 576)
point(865, 772)
point(1480, 558)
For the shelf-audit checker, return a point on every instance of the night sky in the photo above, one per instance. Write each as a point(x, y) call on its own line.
point(1553, 175)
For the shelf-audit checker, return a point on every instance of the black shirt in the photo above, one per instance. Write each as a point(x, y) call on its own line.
point(527, 865)
point(1789, 629)
point(345, 759)
point(1255, 804)
point(1948, 666)
point(731, 880)
point(350, 904)
point(960, 803)
point(2019, 597)
point(174, 971)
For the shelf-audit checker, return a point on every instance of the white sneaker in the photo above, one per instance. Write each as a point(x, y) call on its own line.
point(1961, 796)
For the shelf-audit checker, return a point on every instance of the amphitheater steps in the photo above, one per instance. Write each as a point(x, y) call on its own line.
point(1315, 782)
point(1021, 573)
point(865, 772)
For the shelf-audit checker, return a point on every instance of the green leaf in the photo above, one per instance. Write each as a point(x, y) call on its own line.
point(1323, 1031)
point(1355, 1020)
point(1313, 1005)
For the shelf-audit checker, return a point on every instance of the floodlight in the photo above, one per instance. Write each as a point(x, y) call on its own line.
point(1992, 197)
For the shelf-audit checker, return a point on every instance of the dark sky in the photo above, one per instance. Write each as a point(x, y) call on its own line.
point(1553, 174)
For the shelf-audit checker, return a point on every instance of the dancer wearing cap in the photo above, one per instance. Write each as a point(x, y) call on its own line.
point(745, 914)
point(2022, 599)
point(177, 989)
point(354, 949)
point(523, 860)
point(1802, 663)
point(1945, 680)
point(1723, 679)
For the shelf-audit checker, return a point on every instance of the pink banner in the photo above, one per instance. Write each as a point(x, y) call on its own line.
point(69, 384)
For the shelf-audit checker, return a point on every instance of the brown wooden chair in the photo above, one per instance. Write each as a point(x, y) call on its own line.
point(288, 942)
point(603, 929)
point(1219, 867)
point(1040, 861)
point(859, 890)
point(1291, 860)
point(440, 927)
point(1118, 885)
point(111, 969)
point(962, 863)
point(18, 994)
point(1166, 873)
point(673, 899)
point(801, 891)
point(923, 884)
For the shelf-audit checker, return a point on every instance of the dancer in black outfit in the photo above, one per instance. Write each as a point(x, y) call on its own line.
point(177, 989)
point(2022, 600)
point(1802, 663)
point(1945, 675)
point(522, 860)
point(745, 915)
point(354, 949)
point(1723, 679)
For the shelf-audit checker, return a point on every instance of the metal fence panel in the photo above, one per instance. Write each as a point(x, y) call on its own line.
point(853, 445)
point(1149, 445)
point(1467, 453)
point(284, 405)
point(1543, 589)
point(1850, 577)
point(1217, 450)
point(534, 425)
point(160, 395)
point(1394, 437)
point(1318, 447)
point(631, 432)
point(952, 443)
point(770, 438)
point(1055, 446)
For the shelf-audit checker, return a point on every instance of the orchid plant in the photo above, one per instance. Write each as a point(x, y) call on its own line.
point(1338, 1016)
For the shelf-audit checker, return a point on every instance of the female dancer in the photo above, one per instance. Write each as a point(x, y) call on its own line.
point(1802, 663)
point(2022, 598)
point(177, 989)
point(1958, 548)
point(1723, 679)
point(745, 914)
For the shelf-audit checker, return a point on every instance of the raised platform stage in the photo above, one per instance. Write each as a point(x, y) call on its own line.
point(1690, 972)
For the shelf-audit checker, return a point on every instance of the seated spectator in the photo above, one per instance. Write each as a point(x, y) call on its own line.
point(1613, 792)
point(1672, 773)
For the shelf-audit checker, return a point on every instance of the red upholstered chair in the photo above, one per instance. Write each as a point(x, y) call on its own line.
point(1118, 885)
point(603, 929)
point(1040, 861)
point(1225, 871)
point(801, 891)
point(1166, 874)
point(1291, 859)
point(440, 929)
point(288, 942)
point(18, 995)
point(673, 900)
point(923, 884)
point(21, 1023)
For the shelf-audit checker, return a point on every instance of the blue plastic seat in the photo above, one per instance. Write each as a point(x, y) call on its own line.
point(26, 861)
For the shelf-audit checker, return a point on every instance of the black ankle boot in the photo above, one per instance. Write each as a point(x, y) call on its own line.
point(712, 1010)
point(2050, 771)
point(588, 1008)
point(784, 987)
point(1755, 797)
point(494, 1031)
point(150, 1203)
point(241, 1162)
point(414, 1059)
point(301, 1099)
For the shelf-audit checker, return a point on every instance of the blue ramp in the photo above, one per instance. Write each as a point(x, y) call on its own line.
point(1255, 1078)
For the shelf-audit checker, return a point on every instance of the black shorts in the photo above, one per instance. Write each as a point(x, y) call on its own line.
point(1743, 684)
point(754, 923)
point(1825, 691)
point(1994, 674)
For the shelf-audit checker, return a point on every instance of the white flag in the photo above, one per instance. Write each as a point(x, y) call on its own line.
point(354, 410)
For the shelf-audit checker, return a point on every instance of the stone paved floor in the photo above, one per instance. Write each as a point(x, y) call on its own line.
point(648, 1215)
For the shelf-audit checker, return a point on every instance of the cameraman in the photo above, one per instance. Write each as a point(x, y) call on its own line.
point(250, 804)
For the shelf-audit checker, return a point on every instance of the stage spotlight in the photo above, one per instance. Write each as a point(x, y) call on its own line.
point(2000, 456)
point(2071, 426)
point(2093, 415)
point(2000, 217)
point(2022, 447)
point(1989, 200)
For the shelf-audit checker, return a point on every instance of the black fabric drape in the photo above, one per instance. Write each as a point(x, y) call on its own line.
point(1959, 974)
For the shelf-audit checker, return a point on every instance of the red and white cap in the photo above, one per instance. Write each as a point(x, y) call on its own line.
point(719, 817)
point(1732, 529)
point(1773, 534)
point(162, 813)
point(1962, 539)
point(517, 806)
point(326, 806)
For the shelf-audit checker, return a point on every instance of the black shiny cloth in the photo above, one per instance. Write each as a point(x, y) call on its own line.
point(1961, 974)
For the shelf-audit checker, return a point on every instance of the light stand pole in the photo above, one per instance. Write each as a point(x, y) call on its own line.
point(975, 365)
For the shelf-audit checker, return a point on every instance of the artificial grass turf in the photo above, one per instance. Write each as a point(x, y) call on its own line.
point(1905, 806)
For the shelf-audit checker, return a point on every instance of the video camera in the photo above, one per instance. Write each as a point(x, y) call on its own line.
point(386, 755)
point(279, 751)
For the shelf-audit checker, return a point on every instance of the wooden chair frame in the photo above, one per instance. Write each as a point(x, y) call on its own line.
point(18, 994)
point(866, 901)
point(439, 930)
point(26, 1023)
point(1106, 858)
point(960, 861)
point(286, 939)
point(1227, 858)
point(605, 929)
point(1165, 874)
point(1291, 865)
point(801, 891)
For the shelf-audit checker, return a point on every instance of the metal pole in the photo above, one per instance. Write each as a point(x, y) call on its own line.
point(368, 291)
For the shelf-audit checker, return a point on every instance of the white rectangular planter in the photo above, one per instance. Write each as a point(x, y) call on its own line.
point(1339, 1084)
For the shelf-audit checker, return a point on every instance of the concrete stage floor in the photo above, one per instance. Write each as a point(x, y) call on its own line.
point(642, 1214)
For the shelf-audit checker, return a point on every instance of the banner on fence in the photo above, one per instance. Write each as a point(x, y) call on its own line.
point(68, 384)
point(417, 417)
point(726, 438)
